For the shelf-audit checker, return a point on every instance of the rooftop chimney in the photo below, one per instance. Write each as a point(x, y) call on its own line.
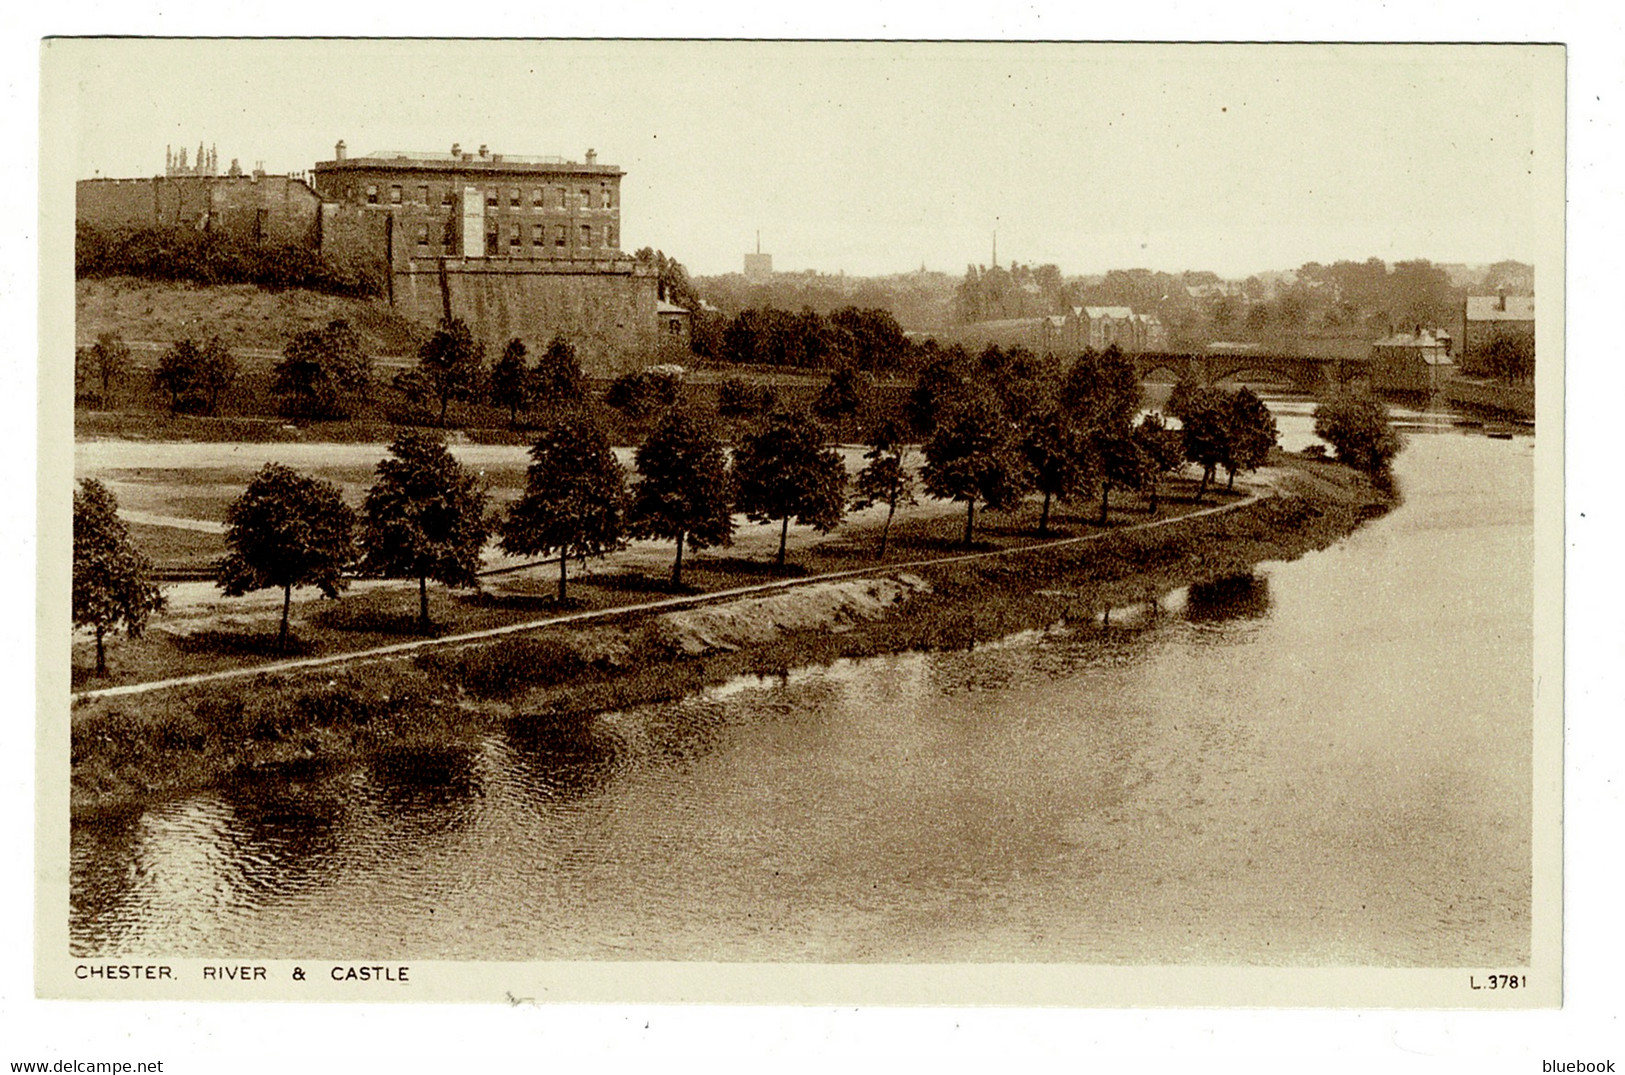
point(485, 150)
point(592, 156)
point(338, 150)
point(457, 149)
point(1501, 299)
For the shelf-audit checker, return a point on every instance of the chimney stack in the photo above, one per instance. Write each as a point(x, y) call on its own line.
point(457, 149)
point(592, 156)
point(338, 150)
point(1501, 299)
point(485, 151)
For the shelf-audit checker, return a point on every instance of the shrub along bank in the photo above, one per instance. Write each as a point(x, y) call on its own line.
point(134, 749)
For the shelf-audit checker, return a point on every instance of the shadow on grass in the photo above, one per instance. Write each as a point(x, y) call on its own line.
point(525, 602)
point(740, 565)
point(363, 619)
point(636, 582)
point(244, 643)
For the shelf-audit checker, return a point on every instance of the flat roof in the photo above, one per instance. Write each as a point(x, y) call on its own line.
point(467, 163)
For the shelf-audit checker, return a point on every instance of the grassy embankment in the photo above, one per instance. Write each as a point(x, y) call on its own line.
point(135, 749)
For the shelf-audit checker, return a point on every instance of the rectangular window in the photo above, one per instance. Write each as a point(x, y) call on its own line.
point(372, 194)
point(448, 199)
point(395, 194)
point(603, 196)
point(491, 198)
point(423, 194)
point(513, 236)
point(538, 235)
point(558, 235)
point(536, 199)
point(586, 235)
point(609, 235)
point(423, 235)
point(513, 198)
point(586, 198)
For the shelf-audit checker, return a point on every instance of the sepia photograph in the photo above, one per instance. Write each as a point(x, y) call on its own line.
point(802, 521)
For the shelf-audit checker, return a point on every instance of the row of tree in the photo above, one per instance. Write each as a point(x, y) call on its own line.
point(1009, 422)
point(996, 428)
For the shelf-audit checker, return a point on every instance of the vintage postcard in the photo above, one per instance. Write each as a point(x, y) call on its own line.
point(801, 522)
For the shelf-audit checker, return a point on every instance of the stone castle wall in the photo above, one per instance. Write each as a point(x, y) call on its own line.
point(275, 209)
point(607, 310)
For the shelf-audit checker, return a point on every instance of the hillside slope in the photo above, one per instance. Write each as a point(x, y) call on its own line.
point(243, 315)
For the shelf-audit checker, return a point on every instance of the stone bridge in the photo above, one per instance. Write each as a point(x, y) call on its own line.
point(1304, 372)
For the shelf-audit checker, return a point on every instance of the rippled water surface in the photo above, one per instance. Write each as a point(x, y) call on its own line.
point(1325, 763)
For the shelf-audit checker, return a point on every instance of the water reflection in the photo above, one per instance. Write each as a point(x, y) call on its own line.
point(1239, 597)
point(554, 761)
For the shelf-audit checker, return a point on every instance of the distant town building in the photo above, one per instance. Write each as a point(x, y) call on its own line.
point(1416, 362)
point(1103, 326)
point(758, 266)
point(1100, 327)
point(207, 162)
point(1488, 318)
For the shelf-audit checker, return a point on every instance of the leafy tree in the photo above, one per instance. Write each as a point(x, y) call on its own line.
point(1061, 457)
point(884, 479)
point(557, 380)
point(1356, 425)
point(424, 518)
point(1123, 465)
point(194, 377)
point(511, 381)
point(1205, 432)
point(1101, 392)
point(738, 398)
point(1510, 358)
point(1023, 382)
point(217, 371)
point(322, 372)
point(107, 360)
point(1251, 429)
point(783, 470)
point(683, 492)
point(974, 455)
point(639, 395)
point(451, 365)
point(111, 579)
point(842, 394)
point(575, 495)
point(286, 530)
point(1164, 451)
point(939, 383)
point(869, 339)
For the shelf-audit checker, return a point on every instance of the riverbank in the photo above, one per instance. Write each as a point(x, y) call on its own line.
point(135, 750)
point(1491, 397)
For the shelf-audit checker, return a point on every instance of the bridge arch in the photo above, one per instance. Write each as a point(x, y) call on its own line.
point(1302, 376)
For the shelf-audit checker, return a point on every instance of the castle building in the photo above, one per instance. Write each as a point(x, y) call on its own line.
point(517, 246)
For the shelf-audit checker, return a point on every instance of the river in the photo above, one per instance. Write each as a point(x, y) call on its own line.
point(1327, 763)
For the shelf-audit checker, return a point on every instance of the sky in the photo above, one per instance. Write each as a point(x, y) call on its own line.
point(874, 158)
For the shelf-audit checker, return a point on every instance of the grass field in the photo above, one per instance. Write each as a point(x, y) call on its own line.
point(203, 631)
